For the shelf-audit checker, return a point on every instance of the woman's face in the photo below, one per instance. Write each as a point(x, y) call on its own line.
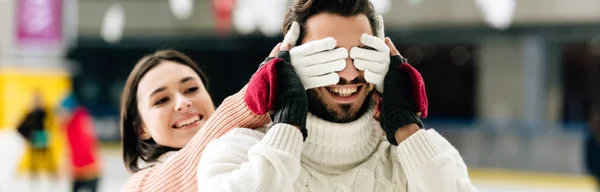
point(173, 104)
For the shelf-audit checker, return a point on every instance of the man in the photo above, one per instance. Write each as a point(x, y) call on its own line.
point(592, 142)
point(83, 144)
point(325, 138)
point(592, 147)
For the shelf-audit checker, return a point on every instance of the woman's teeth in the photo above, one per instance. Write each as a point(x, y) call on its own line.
point(343, 92)
point(188, 121)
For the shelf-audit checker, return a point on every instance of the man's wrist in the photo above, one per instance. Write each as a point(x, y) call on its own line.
point(405, 131)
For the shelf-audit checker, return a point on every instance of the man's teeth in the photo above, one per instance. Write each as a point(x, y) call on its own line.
point(343, 92)
point(188, 121)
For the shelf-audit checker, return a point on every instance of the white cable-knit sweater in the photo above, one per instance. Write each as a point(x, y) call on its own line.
point(353, 156)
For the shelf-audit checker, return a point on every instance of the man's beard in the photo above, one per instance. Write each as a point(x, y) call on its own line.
point(318, 107)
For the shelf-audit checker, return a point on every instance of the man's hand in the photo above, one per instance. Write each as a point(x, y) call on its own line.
point(291, 106)
point(315, 62)
point(406, 131)
point(373, 59)
point(290, 103)
point(399, 111)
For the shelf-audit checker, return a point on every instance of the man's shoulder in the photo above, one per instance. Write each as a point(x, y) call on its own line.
point(244, 134)
point(236, 139)
point(250, 132)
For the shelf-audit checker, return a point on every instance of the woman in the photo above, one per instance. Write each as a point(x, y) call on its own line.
point(165, 121)
point(35, 131)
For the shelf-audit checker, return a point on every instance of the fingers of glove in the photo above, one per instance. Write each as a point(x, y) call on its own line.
point(376, 79)
point(375, 67)
point(369, 55)
point(321, 57)
point(379, 27)
point(374, 42)
point(314, 47)
point(291, 37)
point(379, 88)
point(320, 81)
point(275, 50)
point(322, 69)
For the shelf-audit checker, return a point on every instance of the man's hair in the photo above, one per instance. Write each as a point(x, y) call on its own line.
point(301, 10)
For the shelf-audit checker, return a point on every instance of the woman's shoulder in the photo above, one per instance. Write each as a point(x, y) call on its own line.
point(136, 180)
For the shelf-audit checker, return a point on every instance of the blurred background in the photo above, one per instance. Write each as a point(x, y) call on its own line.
point(512, 84)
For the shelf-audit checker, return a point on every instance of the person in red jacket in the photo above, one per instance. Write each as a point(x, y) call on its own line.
point(83, 144)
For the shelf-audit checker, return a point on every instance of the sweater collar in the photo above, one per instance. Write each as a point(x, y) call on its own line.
point(340, 146)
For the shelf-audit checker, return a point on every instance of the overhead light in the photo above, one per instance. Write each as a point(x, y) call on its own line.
point(497, 13)
point(249, 15)
point(182, 9)
point(113, 24)
point(270, 19)
point(243, 17)
point(381, 6)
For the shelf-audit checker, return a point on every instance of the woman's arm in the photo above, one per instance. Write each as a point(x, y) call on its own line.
point(179, 172)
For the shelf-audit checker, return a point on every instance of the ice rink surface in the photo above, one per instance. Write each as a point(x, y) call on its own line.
point(484, 179)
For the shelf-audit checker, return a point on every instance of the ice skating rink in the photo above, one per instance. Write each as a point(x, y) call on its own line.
point(486, 180)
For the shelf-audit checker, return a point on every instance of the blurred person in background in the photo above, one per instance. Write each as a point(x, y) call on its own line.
point(83, 144)
point(167, 120)
point(323, 136)
point(592, 147)
point(592, 142)
point(14, 145)
point(33, 128)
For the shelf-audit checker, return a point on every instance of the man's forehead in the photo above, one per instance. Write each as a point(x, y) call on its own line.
point(345, 30)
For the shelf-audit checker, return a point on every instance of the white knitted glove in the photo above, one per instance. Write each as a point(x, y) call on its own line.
point(316, 62)
point(375, 63)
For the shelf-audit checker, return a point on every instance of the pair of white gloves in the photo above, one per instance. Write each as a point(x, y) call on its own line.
point(317, 62)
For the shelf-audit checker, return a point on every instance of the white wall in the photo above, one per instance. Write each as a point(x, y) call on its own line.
point(500, 79)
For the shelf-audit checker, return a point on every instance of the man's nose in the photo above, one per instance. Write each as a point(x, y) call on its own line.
point(350, 72)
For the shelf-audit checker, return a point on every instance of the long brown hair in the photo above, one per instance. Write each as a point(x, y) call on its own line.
point(133, 146)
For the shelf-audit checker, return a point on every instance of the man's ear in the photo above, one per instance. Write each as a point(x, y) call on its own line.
point(377, 99)
point(144, 134)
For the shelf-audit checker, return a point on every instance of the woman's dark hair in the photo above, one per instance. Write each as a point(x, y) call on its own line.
point(133, 146)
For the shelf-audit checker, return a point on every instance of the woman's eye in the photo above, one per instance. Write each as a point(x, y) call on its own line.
point(161, 101)
point(191, 90)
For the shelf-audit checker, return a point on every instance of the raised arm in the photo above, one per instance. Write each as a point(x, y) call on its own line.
point(179, 173)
